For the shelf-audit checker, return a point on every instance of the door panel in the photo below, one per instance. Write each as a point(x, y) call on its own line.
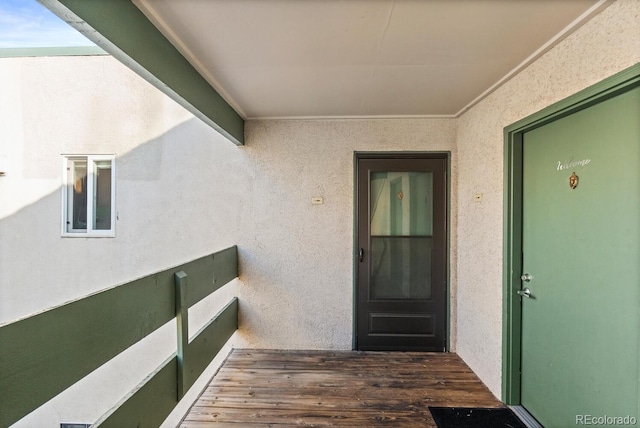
point(401, 286)
point(581, 247)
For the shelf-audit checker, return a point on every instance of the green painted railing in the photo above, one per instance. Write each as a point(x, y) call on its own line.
point(43, 355)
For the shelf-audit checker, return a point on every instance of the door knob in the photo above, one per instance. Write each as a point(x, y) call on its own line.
point(361, 254)
point(526, 277)
point(525, 293)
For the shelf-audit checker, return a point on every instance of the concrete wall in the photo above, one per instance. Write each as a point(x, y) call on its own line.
point(609, 43)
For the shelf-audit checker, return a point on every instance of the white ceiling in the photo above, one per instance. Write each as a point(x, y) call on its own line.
point(362, 58)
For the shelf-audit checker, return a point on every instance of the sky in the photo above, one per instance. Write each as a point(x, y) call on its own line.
point(26, 24)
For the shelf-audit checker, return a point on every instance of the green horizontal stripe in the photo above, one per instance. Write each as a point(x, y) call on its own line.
point(43, 355)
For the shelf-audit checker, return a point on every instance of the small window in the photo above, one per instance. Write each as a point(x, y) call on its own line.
point(89, 196)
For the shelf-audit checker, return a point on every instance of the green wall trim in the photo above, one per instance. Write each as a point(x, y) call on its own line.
point(512, 228)
point(42, 355)
point(121, 29)
point(51, 51)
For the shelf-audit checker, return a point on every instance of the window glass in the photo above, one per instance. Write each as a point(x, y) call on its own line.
point(102, 195)
point(401, 213)
point(78, 196)
point(89, 196)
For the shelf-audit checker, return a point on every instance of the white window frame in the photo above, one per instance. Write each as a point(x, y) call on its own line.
point(66, 199)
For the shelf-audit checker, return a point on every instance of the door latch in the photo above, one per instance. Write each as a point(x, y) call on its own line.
point(361, 254)
point(525, 293)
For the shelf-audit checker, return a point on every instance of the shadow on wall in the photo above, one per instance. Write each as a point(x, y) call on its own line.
point(187, 193)
point(178, 197)
point(183, 191)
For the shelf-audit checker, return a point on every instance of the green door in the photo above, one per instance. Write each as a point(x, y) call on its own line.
point(581, 265)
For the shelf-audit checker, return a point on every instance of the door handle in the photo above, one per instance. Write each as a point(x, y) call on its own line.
point(361, 254)
point(524, 293)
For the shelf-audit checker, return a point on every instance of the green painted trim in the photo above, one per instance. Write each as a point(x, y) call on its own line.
point(512, 236)
point(149, 404)
point(51, 51)
point(182, 326)
point(596, 93)
point(206, 278)
point(207, 342)
point(121, 29)
point(354, 248)
point(512, 262)
point(42, 355)
point(448, 193)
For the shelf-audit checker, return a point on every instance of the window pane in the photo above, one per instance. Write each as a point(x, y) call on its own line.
point(77, 196)
point(401, 212)
point(102, 195)
point(401, 267)
point(401, 203)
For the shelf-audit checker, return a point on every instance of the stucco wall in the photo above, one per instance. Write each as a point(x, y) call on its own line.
point(609, 43)
point(182, 191)
point(298, 258)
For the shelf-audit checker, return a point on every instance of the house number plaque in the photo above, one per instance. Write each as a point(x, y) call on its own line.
point(573, 180)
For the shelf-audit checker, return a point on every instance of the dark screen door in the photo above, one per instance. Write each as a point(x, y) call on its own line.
point(401, 253)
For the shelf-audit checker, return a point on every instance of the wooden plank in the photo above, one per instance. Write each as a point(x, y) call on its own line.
point(149, 404)
point(323, 417)
point(121, 29)
point(302, 402)
point(42, 355)
point(182, 326)
point(209, 341)
point(210, 273)
point(152, 401)
point(291, 388)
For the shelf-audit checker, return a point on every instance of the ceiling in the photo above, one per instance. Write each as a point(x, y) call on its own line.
point(362, 58)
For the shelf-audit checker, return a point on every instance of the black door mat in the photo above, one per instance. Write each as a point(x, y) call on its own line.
point(468, 417)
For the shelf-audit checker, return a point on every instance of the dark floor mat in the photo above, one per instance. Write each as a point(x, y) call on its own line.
point(467, 417)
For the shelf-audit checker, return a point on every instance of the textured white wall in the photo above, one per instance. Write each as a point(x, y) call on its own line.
point(297, 265)
point(609, 43)
point(182, 191)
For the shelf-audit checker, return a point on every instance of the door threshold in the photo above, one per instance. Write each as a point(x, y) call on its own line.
point(525, 417)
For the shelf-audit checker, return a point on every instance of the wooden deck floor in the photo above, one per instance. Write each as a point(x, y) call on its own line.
point(357, 389)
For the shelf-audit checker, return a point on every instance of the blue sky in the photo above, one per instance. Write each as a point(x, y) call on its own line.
point(26, 23)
